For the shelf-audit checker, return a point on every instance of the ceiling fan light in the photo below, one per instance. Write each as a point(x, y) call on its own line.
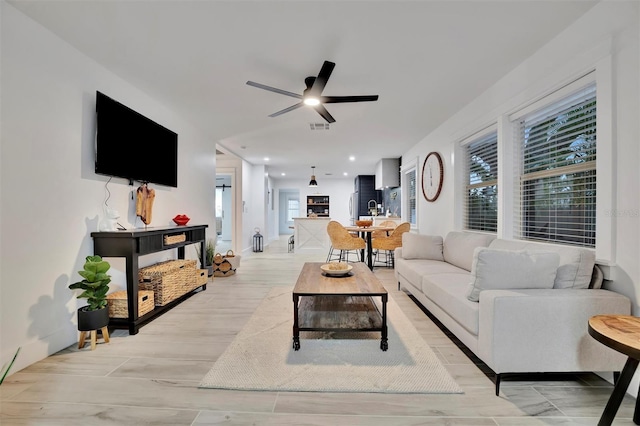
point(311, 101)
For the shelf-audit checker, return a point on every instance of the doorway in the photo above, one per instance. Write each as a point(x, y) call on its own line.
point(289, 207)
point(224, 212)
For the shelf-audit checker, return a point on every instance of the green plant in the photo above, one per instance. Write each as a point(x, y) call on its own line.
point(5, 368)
point(95, 283)
point(209, 252)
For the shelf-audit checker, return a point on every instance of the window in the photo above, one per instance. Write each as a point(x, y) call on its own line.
point(557, 187)
point(412, 198)
point(293, 206)
point(481, 189)
point(410, 193)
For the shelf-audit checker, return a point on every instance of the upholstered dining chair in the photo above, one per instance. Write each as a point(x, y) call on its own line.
point(390, 243)
point(342, 240)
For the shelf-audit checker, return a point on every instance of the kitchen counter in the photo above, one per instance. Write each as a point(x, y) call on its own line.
point(310, 234)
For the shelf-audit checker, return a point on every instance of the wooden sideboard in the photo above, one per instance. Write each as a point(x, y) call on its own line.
point(133, 243)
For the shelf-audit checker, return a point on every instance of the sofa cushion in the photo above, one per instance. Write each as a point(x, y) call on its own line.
point(576, 264)
point(416, 246)
point(449, 292)
point(495, 269)
point(459, 247)
point(414, 269)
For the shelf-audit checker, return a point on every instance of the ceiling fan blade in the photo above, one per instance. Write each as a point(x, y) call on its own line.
point(291, 108)
point(343, 99)
point(322, 78)
point(273, 89)
point(324, 113)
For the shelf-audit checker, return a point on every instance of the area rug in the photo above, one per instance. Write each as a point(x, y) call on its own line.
point(261, 357)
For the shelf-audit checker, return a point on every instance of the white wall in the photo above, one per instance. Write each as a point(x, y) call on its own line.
point(606, 37)
point(338, 190)
point(51, 198)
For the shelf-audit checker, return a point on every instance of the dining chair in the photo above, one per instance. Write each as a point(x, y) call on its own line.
point(390, 243)
point(342, 240)
point(386, 224)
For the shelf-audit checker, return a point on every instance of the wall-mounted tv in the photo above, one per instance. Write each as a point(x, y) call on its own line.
point(131, 146)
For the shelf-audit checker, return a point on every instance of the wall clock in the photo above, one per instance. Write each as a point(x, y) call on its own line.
point(432, 176)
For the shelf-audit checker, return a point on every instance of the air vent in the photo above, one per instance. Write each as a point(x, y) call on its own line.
point(319, 126)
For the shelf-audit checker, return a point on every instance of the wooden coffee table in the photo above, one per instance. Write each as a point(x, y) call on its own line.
point(324, 303)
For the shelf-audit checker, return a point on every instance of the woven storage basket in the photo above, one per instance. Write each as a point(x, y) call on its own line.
point(168, 280)
point(118, 305)
point(222, 267)
point(201, 276)
point(174, 239)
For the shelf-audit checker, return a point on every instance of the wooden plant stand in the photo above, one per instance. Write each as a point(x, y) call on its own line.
point(94, 337)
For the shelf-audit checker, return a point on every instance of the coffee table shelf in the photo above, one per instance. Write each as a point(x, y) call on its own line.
point(339, 313)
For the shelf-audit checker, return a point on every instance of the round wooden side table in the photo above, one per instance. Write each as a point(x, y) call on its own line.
point(622, 333)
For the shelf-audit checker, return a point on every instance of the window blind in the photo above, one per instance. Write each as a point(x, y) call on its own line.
point(481, 206)
point(411, 198)
point(557, 169)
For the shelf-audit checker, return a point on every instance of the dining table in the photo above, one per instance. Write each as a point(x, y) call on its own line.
point(365, 232)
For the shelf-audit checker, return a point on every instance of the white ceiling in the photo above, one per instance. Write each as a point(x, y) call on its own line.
point(425, 59)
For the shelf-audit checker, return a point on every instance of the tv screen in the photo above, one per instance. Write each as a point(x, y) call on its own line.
point(131, 146)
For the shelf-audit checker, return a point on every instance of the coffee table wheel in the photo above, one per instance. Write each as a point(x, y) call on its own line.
point(296, 344)
point(384, 345)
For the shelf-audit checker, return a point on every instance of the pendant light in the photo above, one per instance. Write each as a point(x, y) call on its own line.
point(313, 182)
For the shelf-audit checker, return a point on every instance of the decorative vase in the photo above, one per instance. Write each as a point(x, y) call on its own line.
point(92, 320)
point(209, 270)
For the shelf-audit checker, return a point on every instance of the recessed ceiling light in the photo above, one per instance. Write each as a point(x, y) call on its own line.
point(266, 158)
point(352, 158)
point(283, 174)
point(346, 174)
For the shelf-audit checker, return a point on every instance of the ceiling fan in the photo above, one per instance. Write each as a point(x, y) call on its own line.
point(312, 95)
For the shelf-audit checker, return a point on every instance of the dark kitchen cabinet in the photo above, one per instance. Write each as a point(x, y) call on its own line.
point(364, 192)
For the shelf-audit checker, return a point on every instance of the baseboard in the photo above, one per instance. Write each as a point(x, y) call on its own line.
point(39, 349)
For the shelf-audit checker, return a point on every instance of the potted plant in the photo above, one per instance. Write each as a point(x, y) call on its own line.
point(5, 368)
point(209, 253)
point(95, 286)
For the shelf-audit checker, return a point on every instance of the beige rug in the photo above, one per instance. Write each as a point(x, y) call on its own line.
point(261, 357)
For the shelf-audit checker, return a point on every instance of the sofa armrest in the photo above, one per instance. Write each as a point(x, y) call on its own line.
point(546, 330)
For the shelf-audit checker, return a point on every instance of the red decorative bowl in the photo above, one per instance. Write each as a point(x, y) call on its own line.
point(181, 219)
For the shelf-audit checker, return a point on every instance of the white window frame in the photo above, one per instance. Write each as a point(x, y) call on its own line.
point(405, 171)
point(601, 74)
point(464, 176)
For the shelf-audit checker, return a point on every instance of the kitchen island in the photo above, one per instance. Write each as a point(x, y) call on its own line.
point(310, 234)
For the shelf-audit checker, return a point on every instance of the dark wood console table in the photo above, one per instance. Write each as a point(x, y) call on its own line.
point(133, 243)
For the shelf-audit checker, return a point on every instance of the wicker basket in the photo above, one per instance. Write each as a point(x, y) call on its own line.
point(118, 305)
point(169, 280)
point(174, 239)
point(202, 276)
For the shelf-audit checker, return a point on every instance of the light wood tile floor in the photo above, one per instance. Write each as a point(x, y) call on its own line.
point(152, 377)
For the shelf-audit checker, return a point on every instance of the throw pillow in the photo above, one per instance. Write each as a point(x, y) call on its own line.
point(511, 269)
point(416, 246)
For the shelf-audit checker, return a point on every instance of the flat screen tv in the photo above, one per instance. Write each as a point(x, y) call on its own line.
point(131, 146)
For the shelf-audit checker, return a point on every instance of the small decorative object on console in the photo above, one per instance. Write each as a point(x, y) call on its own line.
point(144, 203)
point(181, 219)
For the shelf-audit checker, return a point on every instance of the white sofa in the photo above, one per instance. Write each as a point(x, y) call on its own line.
point(535, 318)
